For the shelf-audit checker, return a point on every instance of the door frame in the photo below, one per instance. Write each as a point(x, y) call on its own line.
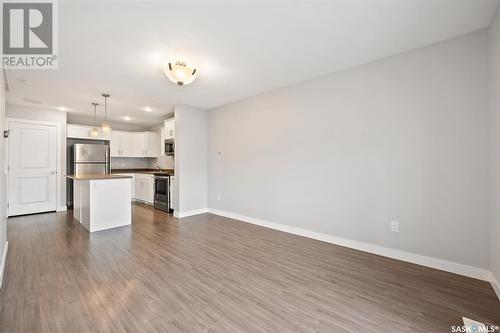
point(59, 175)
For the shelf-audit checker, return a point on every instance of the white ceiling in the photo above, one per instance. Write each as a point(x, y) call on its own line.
point(241, 49)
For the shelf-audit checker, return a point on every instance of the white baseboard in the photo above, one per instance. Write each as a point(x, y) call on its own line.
point(449, 266)
point(495, 284)
point(190, 213)
point(61, 209)
point(4, 262)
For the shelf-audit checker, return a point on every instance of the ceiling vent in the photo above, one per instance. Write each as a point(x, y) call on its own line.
point(32, 101)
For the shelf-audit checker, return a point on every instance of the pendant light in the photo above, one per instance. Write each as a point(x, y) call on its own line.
point(180, 73)
point(94, 132)
point(105, 125)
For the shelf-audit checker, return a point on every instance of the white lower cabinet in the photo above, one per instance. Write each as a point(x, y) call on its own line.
point(144, 188)
point(172, 192)
point(151, 191)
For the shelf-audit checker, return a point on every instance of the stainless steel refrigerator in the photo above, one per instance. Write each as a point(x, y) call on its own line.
point(86, 159)
point(90, 159)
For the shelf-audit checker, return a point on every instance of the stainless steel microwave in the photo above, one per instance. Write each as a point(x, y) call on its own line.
point(169, 147)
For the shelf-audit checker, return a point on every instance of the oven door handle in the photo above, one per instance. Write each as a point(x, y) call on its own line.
point(162, 177)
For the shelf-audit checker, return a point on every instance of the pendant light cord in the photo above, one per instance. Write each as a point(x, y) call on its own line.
point(105, 106)
point(95, 113)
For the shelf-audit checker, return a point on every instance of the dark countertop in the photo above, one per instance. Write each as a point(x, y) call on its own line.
point(96, 176)
point(169, 172)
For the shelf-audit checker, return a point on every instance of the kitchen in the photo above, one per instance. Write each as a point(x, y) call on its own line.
point(145, 157)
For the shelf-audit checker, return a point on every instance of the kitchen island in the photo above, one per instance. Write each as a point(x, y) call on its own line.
point(102, 201)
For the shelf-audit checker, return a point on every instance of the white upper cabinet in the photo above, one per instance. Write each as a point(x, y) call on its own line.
point(169, 126)
point(83, 132)
point(134, 144)
point(137, 144)
point(122, 143)
point(162, 141)
point(167, 132)
point(115, 146)
point(152, 144)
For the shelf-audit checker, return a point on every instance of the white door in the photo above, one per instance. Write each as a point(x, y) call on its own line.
point(32, 168)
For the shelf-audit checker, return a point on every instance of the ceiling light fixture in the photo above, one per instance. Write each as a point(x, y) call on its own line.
point(62, 108)
point(94, 132)
point(127, 118)
point(106, 127)
point(147, 109)
point(180, 73)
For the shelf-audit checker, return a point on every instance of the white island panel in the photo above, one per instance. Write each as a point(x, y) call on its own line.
point(101, 204)
point(110, 203)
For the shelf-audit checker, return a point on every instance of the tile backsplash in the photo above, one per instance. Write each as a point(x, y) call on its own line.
point(165, 162)
point(132, 162)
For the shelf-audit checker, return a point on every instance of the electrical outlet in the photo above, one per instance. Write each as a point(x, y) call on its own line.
point(218, 196)
point(394, 226)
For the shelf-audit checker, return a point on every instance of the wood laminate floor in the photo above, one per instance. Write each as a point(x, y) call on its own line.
point(213, 274)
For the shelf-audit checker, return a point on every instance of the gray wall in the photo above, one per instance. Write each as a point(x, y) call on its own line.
point(405, 139)
point(39, 114)
point(190, 159)
point(3, 186)
point(494, 67)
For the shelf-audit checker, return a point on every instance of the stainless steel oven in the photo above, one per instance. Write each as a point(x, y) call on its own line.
point(162, 193)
